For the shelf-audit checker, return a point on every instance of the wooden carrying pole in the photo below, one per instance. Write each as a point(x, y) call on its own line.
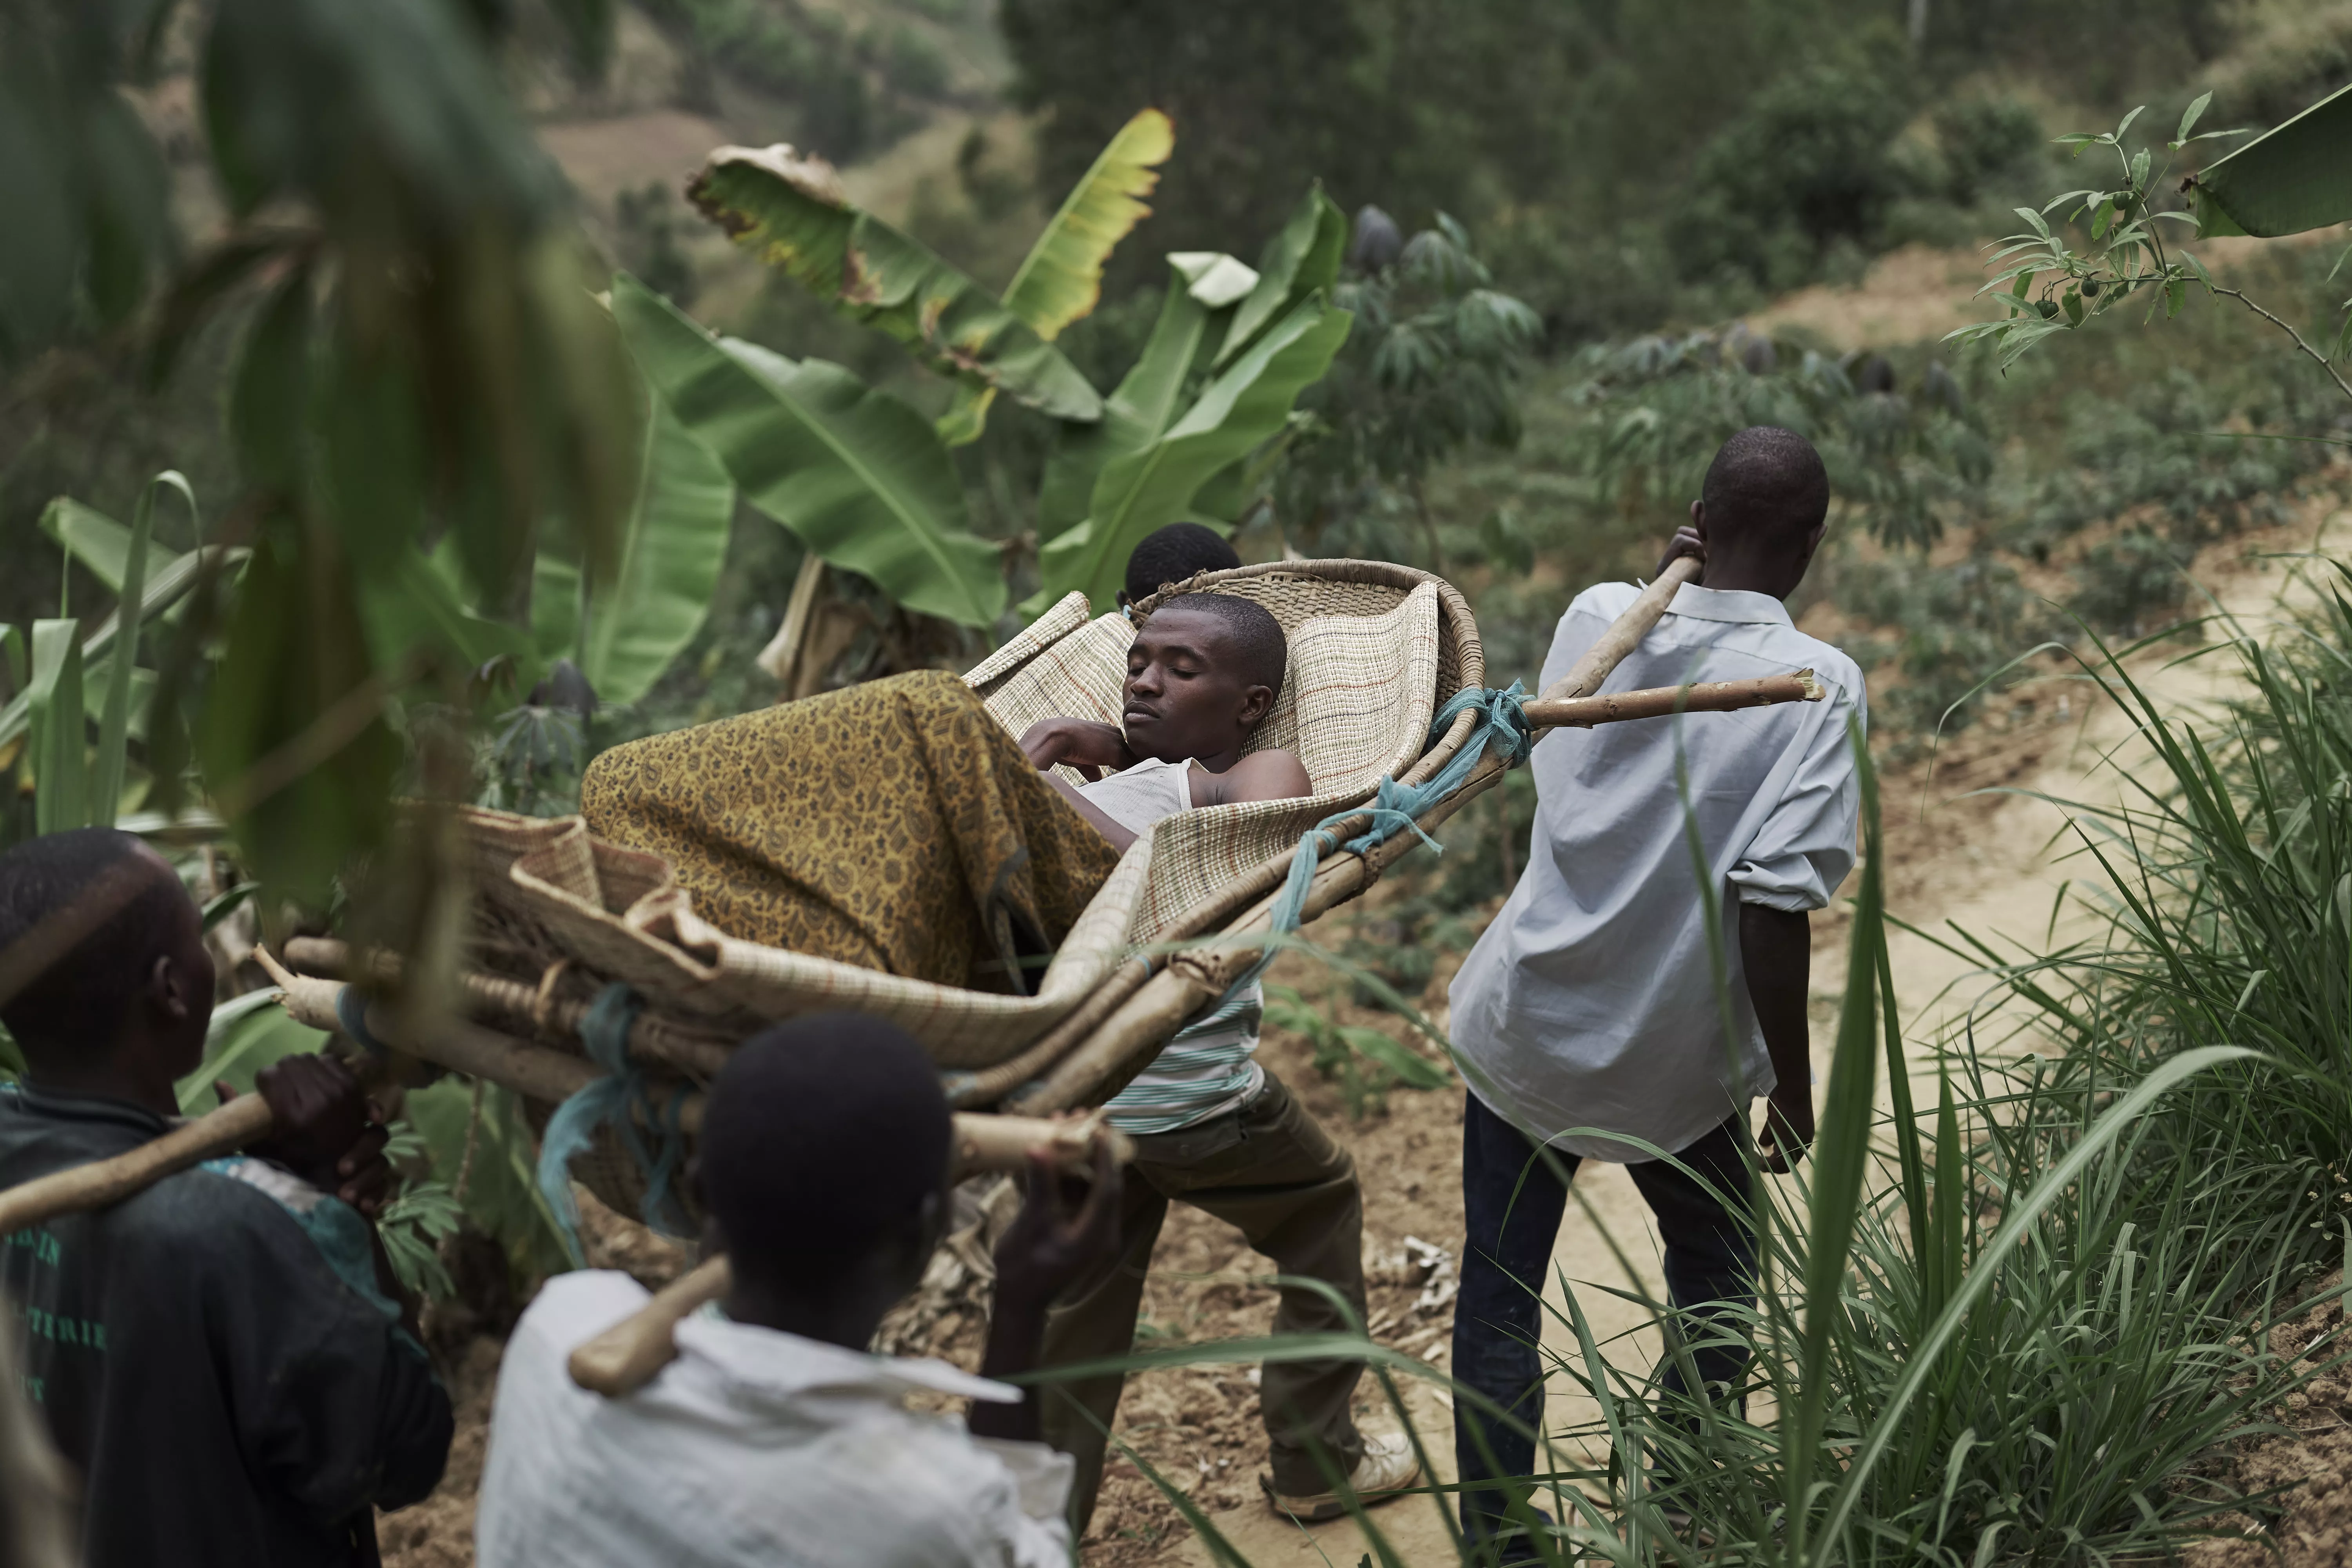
point(104, 1183)
point(626, 1356)
point(538, 1072)
point(981, 1144)
point(1657, 701)
point(1624, 634)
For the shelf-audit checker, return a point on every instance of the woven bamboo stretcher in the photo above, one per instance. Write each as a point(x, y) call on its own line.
point(559, 917)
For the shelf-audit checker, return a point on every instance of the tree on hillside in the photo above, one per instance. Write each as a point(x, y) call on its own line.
point(1593, 108)
point(1260, 93)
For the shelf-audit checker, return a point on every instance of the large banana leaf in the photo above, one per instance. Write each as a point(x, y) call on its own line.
point(1247, 404)
point(2296, 177)
point(792, 212)
point(1061, 278)
point(1192, 317)
point(1302, 259)
point(860, 477)
point(670, 560)
point(555, 606)
point(167, 586)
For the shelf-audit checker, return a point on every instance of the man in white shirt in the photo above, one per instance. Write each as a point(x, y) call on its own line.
point(775, 1439)
point(1588, 1013)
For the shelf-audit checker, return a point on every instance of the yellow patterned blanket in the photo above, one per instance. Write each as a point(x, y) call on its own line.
point(894, 825)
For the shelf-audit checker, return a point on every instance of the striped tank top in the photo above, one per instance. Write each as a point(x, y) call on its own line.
point(1210, 1066)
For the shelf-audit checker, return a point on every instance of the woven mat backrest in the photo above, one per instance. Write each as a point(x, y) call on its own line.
point(1078, 671)
point(1355, 706)
point(1067, 615)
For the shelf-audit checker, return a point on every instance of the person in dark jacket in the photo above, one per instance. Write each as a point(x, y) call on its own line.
point(224, 1358)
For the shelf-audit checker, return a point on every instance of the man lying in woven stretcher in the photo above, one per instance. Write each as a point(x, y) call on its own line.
point(897, 826)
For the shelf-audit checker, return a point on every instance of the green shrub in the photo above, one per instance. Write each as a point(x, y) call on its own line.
point(2131, 585)
point(1950, 627)
point(1983, 139)
point(2169, 445)
point(804, 58)
point(1900, 459)
point(914, 64)
point(1810, 160)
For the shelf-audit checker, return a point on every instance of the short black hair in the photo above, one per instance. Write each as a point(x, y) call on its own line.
point(1173, 554)
point(1767, 478)
point(84, 915)
point(822, 1138)
point(1254, 633)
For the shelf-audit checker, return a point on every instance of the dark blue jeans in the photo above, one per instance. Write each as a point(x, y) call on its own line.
point(1512, 1204)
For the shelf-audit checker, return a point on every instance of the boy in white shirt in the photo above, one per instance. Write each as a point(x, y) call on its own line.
point(1588, 1012)
point(775, 1440)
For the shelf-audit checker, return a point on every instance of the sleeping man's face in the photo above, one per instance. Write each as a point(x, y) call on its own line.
point(1188, 692)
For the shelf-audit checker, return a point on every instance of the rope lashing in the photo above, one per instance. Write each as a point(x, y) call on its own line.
point(614, 1100)
point(1502, 724)
point(350, 1012)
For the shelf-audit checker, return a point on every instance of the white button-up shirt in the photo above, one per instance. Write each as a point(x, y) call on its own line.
point(753, 1448)
point(1590, 1001)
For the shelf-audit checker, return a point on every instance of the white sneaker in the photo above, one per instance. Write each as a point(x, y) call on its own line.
point(1387, 1468)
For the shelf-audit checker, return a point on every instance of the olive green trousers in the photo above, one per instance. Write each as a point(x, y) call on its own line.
point(1267, 1169)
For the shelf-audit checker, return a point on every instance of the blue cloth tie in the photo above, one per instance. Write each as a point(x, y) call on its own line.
point(1395, 807)
point(615, 1100)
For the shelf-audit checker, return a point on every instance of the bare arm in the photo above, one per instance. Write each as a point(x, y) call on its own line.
point(1775, 950)
point(1261, 775)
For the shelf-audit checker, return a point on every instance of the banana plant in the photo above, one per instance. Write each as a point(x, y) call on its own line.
point(792, 211)
point(1158, 456)
point(1246, 404)
point(1061, 278)
point(74, 680)
point(1188, 331)
point(624, 630)
point(1214, 387)
point(861, 478)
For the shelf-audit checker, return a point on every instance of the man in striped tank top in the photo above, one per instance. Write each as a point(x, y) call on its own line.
point(1212, 1128)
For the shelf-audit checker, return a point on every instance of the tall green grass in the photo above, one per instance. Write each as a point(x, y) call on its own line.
point(2224, 880)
